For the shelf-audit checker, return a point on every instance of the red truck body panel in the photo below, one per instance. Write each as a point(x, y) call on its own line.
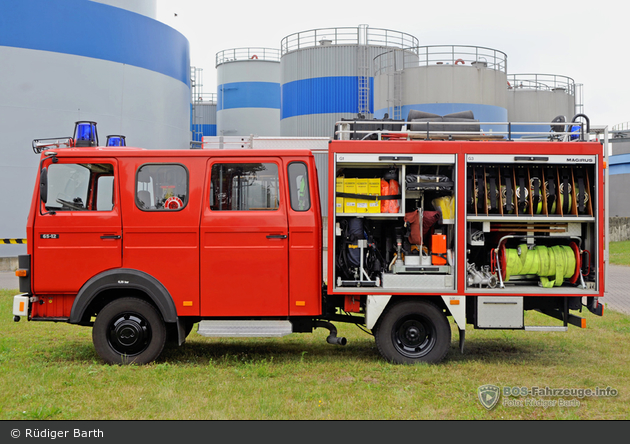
point(212, 263)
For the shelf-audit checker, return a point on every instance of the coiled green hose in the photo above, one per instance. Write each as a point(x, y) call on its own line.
point(551, 264)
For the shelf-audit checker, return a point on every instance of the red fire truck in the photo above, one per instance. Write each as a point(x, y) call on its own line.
point(426, 226)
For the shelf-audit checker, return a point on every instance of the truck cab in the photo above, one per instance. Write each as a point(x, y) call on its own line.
point(143, 244)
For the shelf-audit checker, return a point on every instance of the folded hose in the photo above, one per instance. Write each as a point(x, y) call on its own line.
point(551, 264)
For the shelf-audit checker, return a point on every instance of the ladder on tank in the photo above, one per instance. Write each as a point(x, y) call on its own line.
point(196, 91)
point(397, 100)
point(363, 72)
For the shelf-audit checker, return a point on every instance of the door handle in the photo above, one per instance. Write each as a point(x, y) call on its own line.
point(111, 236)
point(276, 236)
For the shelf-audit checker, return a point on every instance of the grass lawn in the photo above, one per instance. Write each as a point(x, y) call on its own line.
point(619, 253)
point(51, 371)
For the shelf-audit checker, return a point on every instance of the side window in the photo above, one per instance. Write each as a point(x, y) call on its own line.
point(298, 186)
point(244, 187)
point(105, 195)
point(80, 187)
point(161, 187)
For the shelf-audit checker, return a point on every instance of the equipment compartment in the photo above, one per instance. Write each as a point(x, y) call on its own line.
point(400, 236)
point(531, 223)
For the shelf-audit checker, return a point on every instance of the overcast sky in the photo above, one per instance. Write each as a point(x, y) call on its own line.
point(585, 40)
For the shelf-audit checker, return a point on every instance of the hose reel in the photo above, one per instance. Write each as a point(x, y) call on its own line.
point(553, 265)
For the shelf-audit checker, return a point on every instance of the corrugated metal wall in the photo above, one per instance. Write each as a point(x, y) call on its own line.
point(204, 120)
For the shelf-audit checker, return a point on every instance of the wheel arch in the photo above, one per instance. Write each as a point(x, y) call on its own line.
point(380, 304)
point(116, 283)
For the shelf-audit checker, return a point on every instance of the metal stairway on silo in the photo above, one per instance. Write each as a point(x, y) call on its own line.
point(196, 86)
point(363, 72)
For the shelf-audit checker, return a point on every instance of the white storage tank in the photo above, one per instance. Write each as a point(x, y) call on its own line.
point(327, 75)
point(68, 60)
point(541, 98)
point(443, 80)
point(248, 92)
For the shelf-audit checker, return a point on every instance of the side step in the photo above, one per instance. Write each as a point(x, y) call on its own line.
point(245, 328)
point(546, 328)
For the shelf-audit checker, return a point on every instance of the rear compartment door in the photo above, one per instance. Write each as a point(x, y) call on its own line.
point(244, 239)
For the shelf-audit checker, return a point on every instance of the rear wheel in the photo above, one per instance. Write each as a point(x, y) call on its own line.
point(127, 331)
point(413, 331)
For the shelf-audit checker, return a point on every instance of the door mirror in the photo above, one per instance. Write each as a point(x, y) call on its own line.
point(43, 185)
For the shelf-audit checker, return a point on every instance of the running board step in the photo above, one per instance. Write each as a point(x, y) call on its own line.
point(545, 328)
point(245, 328)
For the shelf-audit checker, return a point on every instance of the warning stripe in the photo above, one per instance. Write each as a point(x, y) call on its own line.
point(13, 241)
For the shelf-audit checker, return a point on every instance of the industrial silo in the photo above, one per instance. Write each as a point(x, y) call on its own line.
point(68, 60)
point(248, 92)
point(203, 118)
point(542, 98)
point(619, 171)
point(443, 80)
point(327, 75)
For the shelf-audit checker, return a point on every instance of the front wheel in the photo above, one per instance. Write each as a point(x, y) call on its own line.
point(129, 330)
point(413, 331)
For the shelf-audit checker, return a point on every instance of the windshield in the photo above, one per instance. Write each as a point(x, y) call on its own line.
point(80, 187)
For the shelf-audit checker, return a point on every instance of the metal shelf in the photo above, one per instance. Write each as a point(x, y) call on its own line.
point(371, 215)
point(539, 218)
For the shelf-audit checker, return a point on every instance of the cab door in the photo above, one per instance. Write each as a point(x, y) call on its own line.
point(244, 239)
point(77, 231)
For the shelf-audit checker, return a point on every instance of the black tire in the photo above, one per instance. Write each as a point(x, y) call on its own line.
point(410, 332)
point(129, 331)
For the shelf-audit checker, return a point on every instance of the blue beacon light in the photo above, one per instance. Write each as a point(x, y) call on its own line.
point(116, 141)
point(85, 134)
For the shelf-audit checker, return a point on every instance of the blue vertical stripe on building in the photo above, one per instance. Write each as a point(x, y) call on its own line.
point(203, 129)
point(248, 95)
point(96, 30)
point(323, 95)
point(619, 164)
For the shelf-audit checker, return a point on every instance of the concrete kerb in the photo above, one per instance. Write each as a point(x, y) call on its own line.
point(8, 263)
